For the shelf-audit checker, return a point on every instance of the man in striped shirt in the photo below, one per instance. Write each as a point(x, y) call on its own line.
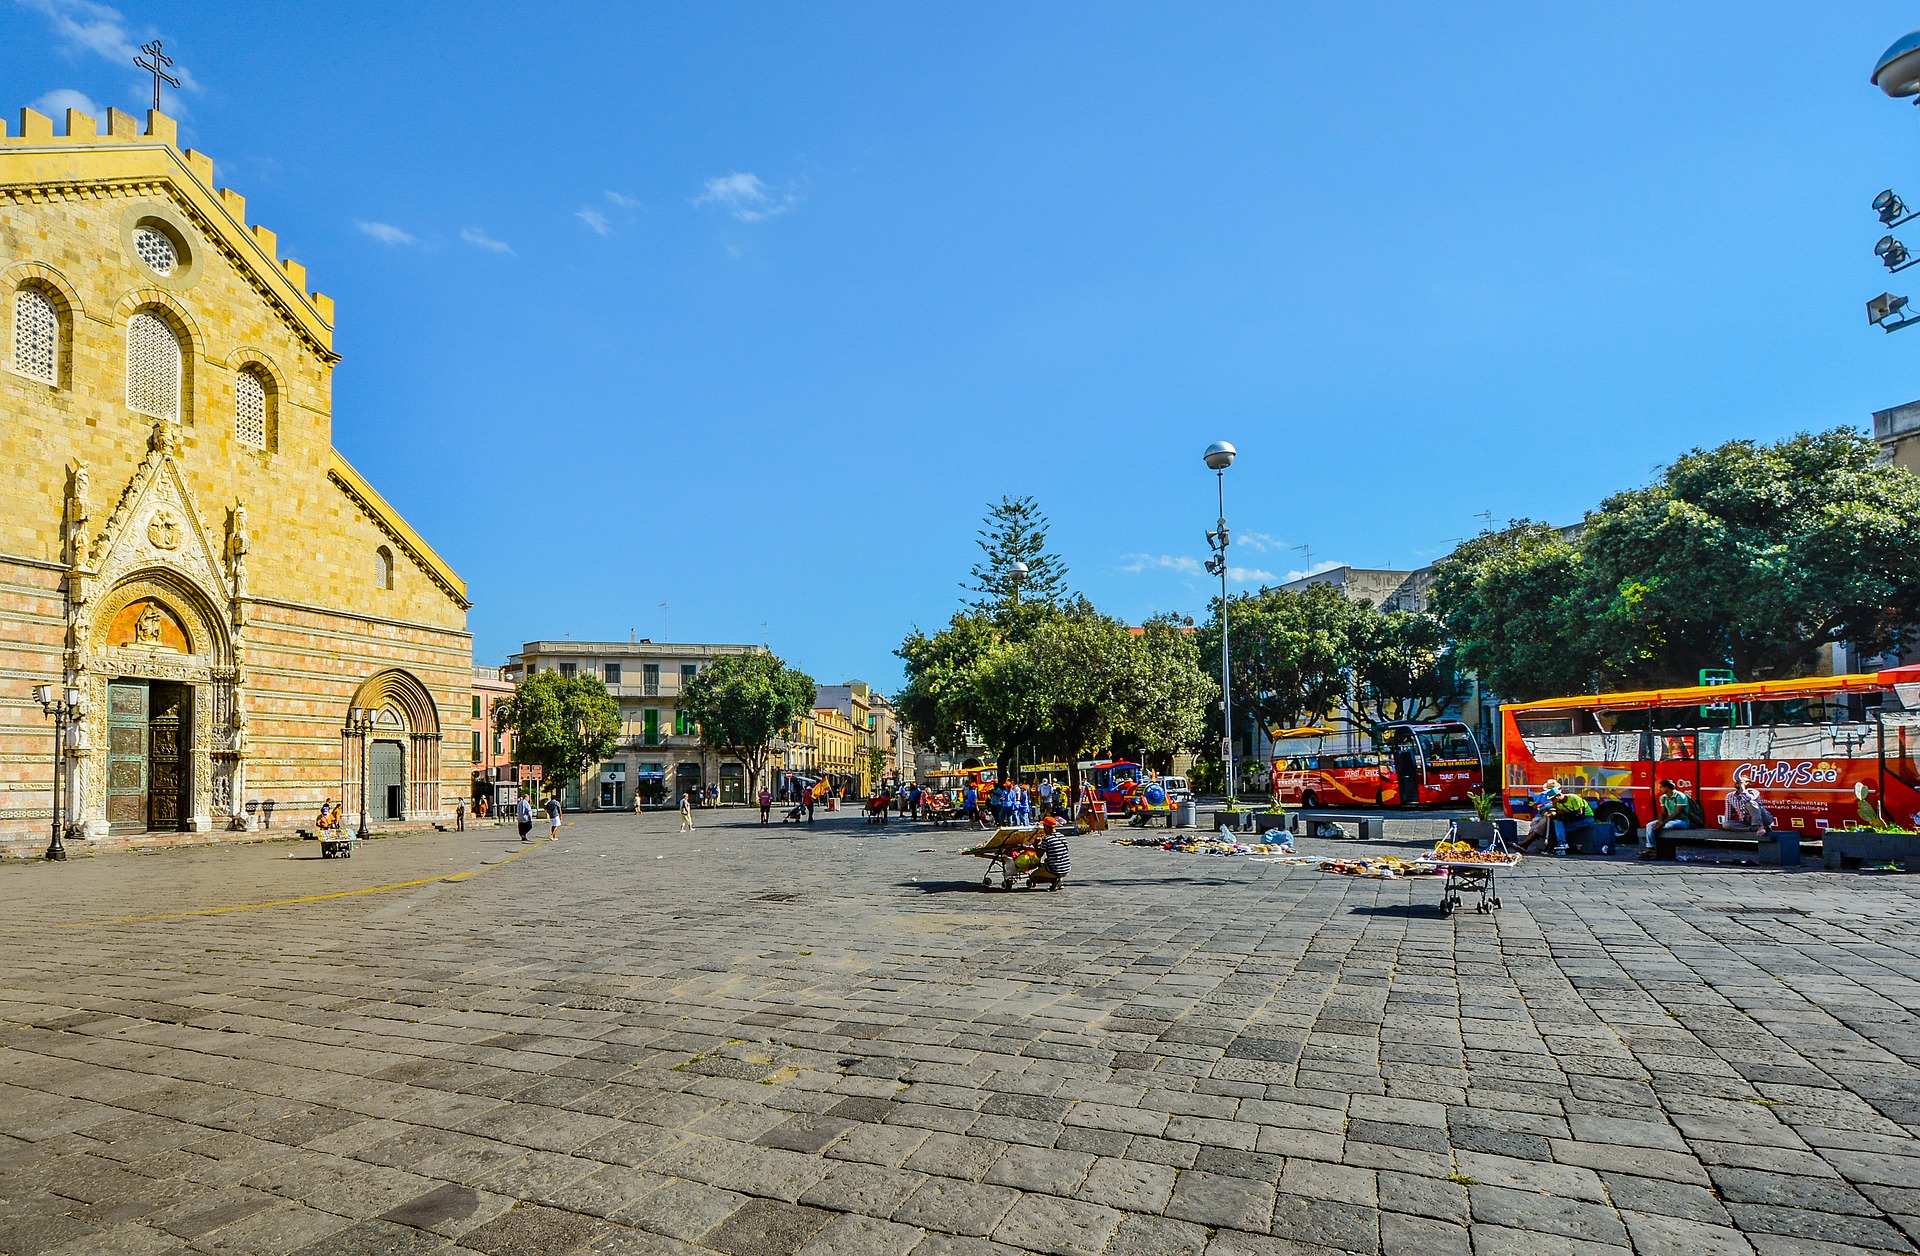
point(1054, 862)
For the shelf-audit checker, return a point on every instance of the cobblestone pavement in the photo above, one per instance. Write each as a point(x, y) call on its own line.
point(750, 1041)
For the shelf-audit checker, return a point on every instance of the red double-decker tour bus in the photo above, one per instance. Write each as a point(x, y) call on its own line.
point(1408, 765)
point(1804, 744)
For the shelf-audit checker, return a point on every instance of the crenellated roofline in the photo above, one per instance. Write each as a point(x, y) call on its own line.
point(36, 163)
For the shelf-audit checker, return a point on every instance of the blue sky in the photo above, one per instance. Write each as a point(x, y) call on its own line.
point(751, 309)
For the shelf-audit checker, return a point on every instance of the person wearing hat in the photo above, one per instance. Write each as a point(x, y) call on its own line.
point(1540, 828)
point(1054, 861)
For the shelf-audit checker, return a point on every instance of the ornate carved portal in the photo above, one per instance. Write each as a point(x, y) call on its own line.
point(151, 641)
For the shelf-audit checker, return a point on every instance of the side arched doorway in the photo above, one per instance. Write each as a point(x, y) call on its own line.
point(390, 751)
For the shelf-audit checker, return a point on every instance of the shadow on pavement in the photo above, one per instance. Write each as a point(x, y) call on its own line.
point(1410, 911)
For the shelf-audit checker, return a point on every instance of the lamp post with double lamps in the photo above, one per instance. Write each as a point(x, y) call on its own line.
point(65, 709)
point(1220, 456)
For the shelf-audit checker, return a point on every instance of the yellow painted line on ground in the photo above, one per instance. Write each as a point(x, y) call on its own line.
point(290, 902)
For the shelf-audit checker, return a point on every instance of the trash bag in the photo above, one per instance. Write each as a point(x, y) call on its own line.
point(1278, 837)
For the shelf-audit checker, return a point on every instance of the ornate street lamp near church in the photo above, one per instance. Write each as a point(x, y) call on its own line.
point(68, 707)
point(359, 725)
point(1220, 456)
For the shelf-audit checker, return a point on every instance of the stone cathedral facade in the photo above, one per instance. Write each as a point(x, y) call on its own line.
point(251, 627)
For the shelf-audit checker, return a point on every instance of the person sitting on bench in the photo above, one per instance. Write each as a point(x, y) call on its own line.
point(1745, 813)
point(1541, 826)
point(1675, 810)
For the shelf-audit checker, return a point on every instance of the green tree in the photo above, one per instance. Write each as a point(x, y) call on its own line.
point(1746, 556)
point(877, 759)
point(563, 724)
point(1081, 670)
point(1289, 652)
point(1510, 601)
point(1753, 557)
point(1170, 690)
point(1401, 667)
point(742, 703)
point(942, 670)
point(1015, 531)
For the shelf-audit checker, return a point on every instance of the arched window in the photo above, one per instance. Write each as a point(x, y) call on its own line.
point(36, 336)
point(252, 398)
point(383, 568)
point(153, 366)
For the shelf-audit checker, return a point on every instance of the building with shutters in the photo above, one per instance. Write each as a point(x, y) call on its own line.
point(659, 755)
point(251, 628)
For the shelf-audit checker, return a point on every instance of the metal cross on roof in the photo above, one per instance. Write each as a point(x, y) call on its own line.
point(158, 68)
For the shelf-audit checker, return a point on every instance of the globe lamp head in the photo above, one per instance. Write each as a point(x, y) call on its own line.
point(1220, 455)
point(1897, 72)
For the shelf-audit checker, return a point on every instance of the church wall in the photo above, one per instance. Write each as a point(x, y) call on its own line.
point(30, 638)
point(67, 211)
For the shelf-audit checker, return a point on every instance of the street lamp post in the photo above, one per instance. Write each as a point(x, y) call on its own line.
point(1219, 457)
point(1016, 572)
point(69, 706)
point(360, 724)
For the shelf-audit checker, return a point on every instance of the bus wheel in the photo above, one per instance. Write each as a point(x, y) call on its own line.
point(1310, 799)
point(1618, 822)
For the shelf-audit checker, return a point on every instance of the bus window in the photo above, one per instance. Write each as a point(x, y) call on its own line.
point(1449, 748)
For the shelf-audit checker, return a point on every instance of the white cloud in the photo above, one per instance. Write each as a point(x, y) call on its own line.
point(1163, 562)
point(1259, 542)
point(56, 103)
point(595, 220)
point(83, 26)
point(1314, 570)
point(1187, 565)
point(481, 240)
point(745, 197)
point(385, 232)
point(624, 202)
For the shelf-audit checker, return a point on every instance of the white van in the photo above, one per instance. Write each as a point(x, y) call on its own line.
point(1178, 790)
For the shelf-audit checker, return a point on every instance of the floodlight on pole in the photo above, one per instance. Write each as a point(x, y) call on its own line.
point(1892, 254)
point(1881, 312)
point(1890, 209)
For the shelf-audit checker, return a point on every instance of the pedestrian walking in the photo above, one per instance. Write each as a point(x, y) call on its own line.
point(460, 816)
point(810, 802)
point(553, 817)
point(686, 813)
point(766, 804)
point(524, 814)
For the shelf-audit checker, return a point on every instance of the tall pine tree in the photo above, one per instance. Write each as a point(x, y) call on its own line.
point(1016, 531)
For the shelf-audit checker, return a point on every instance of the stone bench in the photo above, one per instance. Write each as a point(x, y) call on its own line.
point(1366, 828)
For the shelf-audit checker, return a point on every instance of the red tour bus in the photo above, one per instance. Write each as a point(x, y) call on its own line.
point(1413, 765)
point(1804, 744)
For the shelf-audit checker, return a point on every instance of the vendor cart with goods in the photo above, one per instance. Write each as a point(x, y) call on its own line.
point(1012, 854)
point(1470, 870)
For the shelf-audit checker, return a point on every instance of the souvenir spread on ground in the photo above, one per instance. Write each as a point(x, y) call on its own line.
point(1384, 867)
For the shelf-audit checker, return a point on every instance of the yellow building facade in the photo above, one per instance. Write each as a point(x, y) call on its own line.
point(250, 627)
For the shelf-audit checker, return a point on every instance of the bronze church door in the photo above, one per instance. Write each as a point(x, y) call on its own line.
point(149, 755)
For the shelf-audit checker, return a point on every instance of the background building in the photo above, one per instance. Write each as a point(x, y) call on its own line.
point(251, 628)
point(659, 755)
point(496, 776)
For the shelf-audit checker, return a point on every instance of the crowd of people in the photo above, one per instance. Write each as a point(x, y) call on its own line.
point(1563, 819)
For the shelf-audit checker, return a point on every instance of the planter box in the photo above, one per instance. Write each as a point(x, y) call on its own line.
point(1479, 832)
point(1265, 820)
point(1846, 848)
point(1238, 821)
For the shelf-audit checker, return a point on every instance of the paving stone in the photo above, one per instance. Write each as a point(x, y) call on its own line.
point(767, 1227)
point(1670, 1236)
point(1402, 1235)
point(376, 1238)
point(1128, 1185)
point(1228, 1203)
point(871, 1190)
point(1546, 1214)
point(1345, 1227)
point(681, 1209)
point(863, 1236)
point(956, 1207)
